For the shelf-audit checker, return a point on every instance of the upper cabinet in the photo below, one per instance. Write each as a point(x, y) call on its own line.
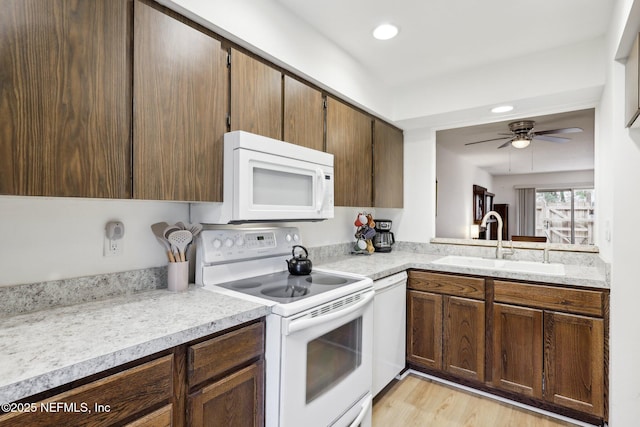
point(349, 140)
point(256, 96)
point(388, 164)
point(303, 114)
point(180, 93)
point(65, 98)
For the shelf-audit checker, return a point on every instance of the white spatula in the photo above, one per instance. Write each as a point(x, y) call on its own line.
point(180, 239)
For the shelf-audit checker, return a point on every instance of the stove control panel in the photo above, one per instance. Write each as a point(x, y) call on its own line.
point(225, 245)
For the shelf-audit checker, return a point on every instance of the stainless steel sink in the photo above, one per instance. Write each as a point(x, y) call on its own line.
point(552, 269)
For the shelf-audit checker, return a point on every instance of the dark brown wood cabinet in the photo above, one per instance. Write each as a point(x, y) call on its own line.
point(65, 98)
point(303, 114)
point(256, 96)
point(464, 337)
point(388, 166)
point(226, 379)
point(542, 344)
point(424, 329)
point(180, 105)
point(563, 331)
point(574, 362)
point(230, 401)
point(349, 140)
point(517, 349)
point(446, 323)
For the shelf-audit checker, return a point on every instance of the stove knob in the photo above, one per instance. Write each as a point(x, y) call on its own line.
point(287, 237)
point(216, 243)
point(228, 243)
point(239, 241)
point(296, 237)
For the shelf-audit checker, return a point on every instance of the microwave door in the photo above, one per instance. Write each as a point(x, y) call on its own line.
point(273, 187)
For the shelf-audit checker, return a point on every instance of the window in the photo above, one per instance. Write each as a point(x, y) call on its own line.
point(566, 215)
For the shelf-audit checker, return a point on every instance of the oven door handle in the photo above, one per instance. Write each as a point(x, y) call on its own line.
point(298, 325)
point(366, 407)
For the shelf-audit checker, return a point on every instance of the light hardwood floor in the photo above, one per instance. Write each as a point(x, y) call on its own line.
point(417, 401)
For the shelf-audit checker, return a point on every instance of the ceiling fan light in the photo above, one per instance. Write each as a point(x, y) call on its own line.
point(385, 32)
point(521, 142)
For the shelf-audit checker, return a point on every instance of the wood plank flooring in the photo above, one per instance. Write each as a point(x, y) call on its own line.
point(417, 401)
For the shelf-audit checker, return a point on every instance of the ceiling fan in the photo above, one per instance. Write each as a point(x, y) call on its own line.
point(522, 133)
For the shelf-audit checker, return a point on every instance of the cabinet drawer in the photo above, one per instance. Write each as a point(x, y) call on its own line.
point(103, 402)
point(469, 287)
point(550, 297)
point(213, 357)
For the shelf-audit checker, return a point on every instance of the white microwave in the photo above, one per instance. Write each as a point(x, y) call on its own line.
point(269, 180)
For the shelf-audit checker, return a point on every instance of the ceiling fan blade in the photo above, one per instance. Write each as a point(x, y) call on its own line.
point(486, 140)
point(551, 138)
point(555, 131)
point(506, 144)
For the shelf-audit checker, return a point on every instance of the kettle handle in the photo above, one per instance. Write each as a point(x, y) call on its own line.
point(293, 250)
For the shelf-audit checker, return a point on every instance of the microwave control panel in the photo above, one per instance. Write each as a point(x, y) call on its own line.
point(225, 245)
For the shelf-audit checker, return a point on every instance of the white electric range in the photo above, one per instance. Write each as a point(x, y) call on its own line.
point(319, 335)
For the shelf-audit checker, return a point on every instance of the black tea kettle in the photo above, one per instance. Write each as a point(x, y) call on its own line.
point(299, 265)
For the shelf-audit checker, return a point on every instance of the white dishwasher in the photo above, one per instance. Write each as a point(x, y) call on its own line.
point(389, 329)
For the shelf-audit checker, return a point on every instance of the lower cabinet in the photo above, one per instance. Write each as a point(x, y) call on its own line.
point(542, 344)
point(446, 323)
point(230, 401)
point(517, 349)
point(215, 382)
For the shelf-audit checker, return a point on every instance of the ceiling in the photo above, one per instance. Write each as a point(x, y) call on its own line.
point(539, 157)
point(444, 36)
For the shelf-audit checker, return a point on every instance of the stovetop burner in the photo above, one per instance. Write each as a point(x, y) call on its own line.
point(284, 287)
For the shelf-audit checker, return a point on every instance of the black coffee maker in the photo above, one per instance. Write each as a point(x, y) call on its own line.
point(384, 239)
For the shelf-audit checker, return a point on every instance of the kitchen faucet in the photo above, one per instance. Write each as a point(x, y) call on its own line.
point(500, 251)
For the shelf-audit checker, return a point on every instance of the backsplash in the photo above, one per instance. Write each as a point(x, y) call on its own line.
point(30, 297)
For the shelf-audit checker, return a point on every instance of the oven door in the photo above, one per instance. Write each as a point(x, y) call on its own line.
point(326, 361)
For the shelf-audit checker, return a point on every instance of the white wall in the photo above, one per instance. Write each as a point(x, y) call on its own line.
point(56, 238)
point(619, 176)
point(503, 187)
point(456, 178)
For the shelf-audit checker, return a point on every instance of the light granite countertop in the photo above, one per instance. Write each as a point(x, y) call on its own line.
point(379, 265)
point(49, 348)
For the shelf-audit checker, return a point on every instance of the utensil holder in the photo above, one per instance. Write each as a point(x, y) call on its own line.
point(178, 276)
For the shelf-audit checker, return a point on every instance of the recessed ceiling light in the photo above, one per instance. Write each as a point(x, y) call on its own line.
point(502, 109)
point(385, 31)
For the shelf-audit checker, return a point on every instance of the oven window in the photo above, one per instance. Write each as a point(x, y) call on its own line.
point(332, 357)
point(277, 188)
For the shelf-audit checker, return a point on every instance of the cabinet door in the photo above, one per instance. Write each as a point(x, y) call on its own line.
point(574, 361)
point(256, 96)
point(303, 114)
point(65, 98)
point(517, 349)
point(424, 329)
point(180, 107)
point(235, 401)
point(349, 140)
point(464, 337)
point(388, 172)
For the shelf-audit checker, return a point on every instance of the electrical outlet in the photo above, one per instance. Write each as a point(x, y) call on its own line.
point(112, 247)
point(113, 242)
